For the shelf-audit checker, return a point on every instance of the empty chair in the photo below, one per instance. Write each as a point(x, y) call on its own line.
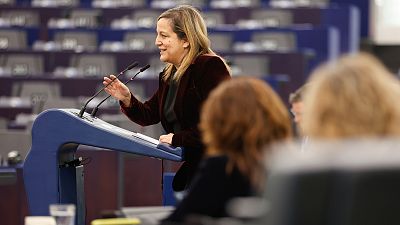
point(138, 91)
point(170, 4)
point(272, 17)
point(38, 92)
point(213, 18)
point(21, 17)
point(234, 3)
point(299, 3)
point(156, 67)
point(15, 141)
point(85, 17)
point(249, 65)
point(22, 64)
point(94, 64)
point(60, 102)
point(143, 41)
point(118, 3)
point(13, 40)
point(134, 3)
point(44, 88)
point(7, 2)
point(146, 18)
point(275, 41)
point(76, 40)
point(55, 3)
point(221, 41)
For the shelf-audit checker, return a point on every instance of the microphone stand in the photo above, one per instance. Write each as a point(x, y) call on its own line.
point(134, 64)
point(95, 109)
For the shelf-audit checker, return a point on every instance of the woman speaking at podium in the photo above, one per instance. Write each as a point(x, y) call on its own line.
point(192, 71)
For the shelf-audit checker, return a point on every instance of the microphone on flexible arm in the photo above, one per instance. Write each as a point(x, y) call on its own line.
point(132, 65)
point(95, 109)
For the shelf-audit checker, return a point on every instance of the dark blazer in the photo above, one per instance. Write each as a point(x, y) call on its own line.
point(211, 190)
point(203, 75)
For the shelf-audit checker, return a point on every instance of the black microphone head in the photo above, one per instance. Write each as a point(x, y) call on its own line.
point(134, 64)
point(144, 68)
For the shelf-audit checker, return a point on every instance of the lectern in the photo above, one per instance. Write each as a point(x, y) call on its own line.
point(56, 134)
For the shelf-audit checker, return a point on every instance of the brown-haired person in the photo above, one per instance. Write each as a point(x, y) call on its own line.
point(192, 71)
point(239, 121)
point(353, 97)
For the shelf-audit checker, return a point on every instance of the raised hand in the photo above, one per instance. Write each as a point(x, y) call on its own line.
point(117, 89)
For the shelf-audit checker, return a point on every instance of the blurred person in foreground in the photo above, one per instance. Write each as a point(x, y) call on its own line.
point(239, 121)
point(192, 71)
point(353, 97)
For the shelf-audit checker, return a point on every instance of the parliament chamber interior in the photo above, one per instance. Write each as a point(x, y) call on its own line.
point(55, 53)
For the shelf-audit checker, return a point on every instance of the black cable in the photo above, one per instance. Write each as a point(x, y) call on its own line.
point(86, 161)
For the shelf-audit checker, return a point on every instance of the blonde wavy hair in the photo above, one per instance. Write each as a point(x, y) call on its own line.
point(356, 96)
point(188, 24)
point(240, 118)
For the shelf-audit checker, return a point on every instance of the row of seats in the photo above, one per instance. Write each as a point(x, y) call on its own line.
point(247, 21)
point(164, 3)
point(144, 17)
point(83, 17)
point(238, 40)
point(76, 65)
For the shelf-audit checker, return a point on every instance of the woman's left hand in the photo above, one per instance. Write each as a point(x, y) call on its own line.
point(166, 138)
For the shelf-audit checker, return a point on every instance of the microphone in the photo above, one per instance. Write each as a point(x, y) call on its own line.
point(132, 65)
point(95, 109)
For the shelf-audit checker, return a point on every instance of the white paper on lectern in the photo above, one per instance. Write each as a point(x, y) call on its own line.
point(147, 138)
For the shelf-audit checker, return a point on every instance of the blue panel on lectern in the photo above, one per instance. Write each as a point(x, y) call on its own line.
point(56, 134)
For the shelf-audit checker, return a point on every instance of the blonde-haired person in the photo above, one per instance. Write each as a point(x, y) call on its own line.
point(353, 97)
point(239, 120)
point(192, 71)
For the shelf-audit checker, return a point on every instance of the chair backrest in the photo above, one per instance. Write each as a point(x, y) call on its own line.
point(221, 41)
point(118, 3)
point(146, 18)
point(234, 3)
point(273, 17)
point(275, 40)
point(86, 17)
point(60, 102)
point(7, 2)
point(142, 41)
point(13, 39)
point(21, 17)
point(299, 3)
point(249, 65)
point(57, 3)
point(156, 64)
point(75, 40)
point(137, 3)
point(94, 64)
point(23, 64)
point(164, 4)
point(39, 92)
point(213, 18)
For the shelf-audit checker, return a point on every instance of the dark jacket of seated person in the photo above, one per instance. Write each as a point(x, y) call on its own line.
point(212, 189)
point(239, 121)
